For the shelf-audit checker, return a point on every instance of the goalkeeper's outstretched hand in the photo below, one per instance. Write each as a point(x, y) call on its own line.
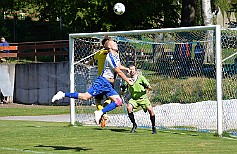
point(144, 85)
point(123, 88)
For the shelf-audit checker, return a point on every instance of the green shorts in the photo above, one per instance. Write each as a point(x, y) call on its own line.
point(144, 103)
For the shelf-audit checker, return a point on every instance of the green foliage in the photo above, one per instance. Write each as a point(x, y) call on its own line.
point(225, 6)
point(189, 90)
point(230, 87)
point(96, 15)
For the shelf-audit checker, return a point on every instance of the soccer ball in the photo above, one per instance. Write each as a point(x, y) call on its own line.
point(119, 8)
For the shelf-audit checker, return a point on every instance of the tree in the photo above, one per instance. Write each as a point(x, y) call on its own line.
point(188, 13)
point(98, 15)
point(207, 12)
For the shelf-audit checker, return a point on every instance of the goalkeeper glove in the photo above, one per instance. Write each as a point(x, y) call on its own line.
point(144, 85)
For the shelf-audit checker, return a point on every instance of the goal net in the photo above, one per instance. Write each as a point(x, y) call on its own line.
point(191, 89)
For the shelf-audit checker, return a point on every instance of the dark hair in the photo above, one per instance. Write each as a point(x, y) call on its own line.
point(131, 65)
point(104, 40)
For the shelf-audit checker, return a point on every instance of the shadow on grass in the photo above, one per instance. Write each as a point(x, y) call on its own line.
point(119, 130)
point(113, 129)
point(65, 148)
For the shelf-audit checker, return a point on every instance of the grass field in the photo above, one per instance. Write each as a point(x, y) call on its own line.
point(29, 110)
point(55, 137)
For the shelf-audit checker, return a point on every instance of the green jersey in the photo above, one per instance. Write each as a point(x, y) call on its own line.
point(138, 90)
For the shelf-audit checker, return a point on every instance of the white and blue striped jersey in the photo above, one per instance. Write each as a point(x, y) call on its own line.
point(111, 62)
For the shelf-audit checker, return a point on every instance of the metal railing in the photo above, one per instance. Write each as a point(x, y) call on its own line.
point(35, 49)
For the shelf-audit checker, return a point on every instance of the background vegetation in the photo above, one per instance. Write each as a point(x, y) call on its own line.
point(34, 20)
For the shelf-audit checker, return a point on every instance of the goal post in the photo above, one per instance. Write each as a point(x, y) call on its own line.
point(179, 56)
point(219, 80)
point(72, 80)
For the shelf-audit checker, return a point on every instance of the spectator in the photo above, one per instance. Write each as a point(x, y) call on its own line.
point(4, 43)
point(199, 55)
point(183, 55)
point(199, 52)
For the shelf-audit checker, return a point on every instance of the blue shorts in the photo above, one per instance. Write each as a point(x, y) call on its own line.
point(102, 86)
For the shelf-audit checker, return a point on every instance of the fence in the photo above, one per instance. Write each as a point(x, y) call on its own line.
point(36, 49)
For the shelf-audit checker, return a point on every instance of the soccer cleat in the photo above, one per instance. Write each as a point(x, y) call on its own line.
point(153, 130)
point(98, 115)
point(58, 96)
point(103, 120)
point(133, 130)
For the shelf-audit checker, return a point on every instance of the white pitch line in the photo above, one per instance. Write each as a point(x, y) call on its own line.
point(15, 149)
point(229, 138)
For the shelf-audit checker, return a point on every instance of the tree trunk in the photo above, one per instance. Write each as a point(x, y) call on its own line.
point(207, 15)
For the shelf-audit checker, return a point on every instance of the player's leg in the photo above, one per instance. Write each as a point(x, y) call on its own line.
point(92, 91)
point(152, 118)
point(146, 106)
point(105, 87)
point(105, 116)
point(98, 99)
point(130, 106)
point(116, 101)
point(76, 95)
point(107, 102)
point(99, 107)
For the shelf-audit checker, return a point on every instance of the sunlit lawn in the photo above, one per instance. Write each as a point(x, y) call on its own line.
point(56, 137)
point(47, 137)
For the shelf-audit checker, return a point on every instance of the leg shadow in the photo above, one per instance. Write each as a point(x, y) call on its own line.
point(66, 148)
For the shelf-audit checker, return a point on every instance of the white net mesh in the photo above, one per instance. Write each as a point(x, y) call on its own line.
point(180, 66)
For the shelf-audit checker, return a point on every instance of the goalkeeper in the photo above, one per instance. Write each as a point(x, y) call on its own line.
point(100, 57)
point(138, 97)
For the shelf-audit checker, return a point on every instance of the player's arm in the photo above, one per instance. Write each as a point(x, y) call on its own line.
point(122, 75)
point(95, 57)
point(124, 68)
point(127, 70)
point(90, 62)
point(149, 87)
point(145, 83)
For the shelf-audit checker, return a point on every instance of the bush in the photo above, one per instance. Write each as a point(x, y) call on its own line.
point(190, 90)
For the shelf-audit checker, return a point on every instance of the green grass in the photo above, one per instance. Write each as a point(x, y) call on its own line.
point(29, 110)
point(45, 137)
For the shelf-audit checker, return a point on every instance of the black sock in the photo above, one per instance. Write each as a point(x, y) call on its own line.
point(152, 120)
point(131, 117)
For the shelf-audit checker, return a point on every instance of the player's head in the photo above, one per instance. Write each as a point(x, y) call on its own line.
point(103, 41)
point(2, 39)
point(133, 70)
point(110, 45)
point(106, 38)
